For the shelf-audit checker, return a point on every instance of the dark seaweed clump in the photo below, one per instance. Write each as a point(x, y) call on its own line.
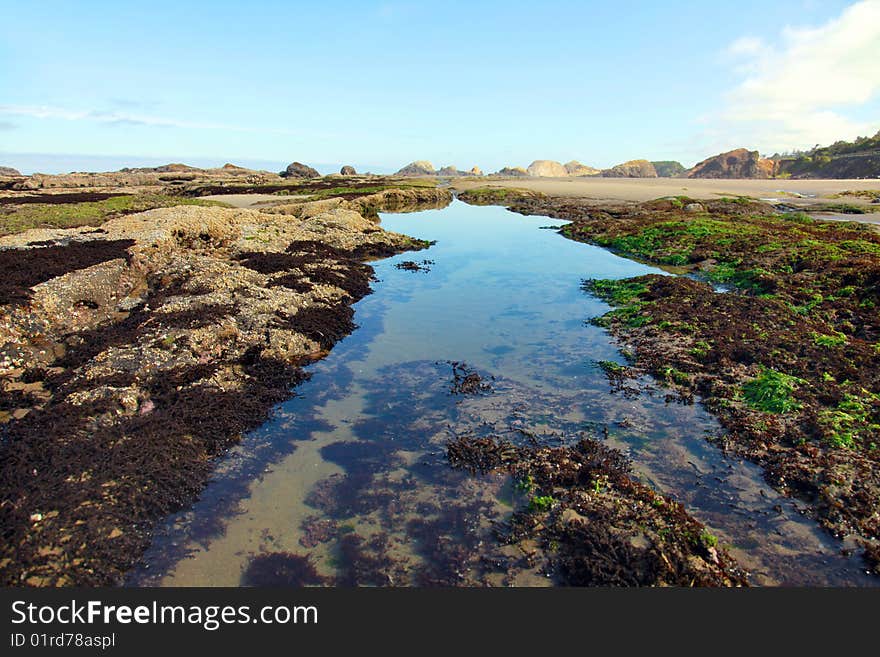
point(593, 523)
point(307, 263)
point(281, 569)
point(21, 269)
point(467, 382)
point(479, 455)
point(366, 562)
point(56, 199)
point(411, 265)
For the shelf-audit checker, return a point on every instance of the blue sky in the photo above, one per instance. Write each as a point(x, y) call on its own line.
point(96, 85)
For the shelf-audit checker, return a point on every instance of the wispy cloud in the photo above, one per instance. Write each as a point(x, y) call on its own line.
point(128, 119)
point(746, 46)
point(802, 89)
point(7, 125)
point(134, 103)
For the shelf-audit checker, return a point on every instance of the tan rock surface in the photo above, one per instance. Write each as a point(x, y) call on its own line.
point(546, 169)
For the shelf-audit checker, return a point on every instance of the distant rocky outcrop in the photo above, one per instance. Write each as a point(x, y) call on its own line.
point(576, 169)
point(455, 172)
point(668, 168)
point(417, 168)
point(175, 167)
point(547, 169)
point(299, 170)
point(512, 172)
point(738, 163)
point(348, 171)
point(631, 169)
point(9, 171)
point(152, 179)
point(402, 200)
point(451, 171)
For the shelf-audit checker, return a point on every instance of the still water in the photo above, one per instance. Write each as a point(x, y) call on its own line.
point(352, 473)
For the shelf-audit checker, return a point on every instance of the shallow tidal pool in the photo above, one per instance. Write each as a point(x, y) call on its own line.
point(351, 473)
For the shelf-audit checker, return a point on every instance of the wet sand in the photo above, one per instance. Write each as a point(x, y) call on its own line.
point(646, 189)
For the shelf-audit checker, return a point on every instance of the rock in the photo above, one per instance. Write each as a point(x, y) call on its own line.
point(451, 171)
point(576, 169)
point(417, 168)
point(9, 171)
point(299, 170)
point(739, 163)
point(348, 171)
point(694, 207)
point(547, 169)
point(475, 171)
point(513, 172)
point(401, 200)
point(631, 169)
point(668, 168)
point(497, 195)
point(148, 179)
point(569, 516)
point(175, 167)
point(177, 177)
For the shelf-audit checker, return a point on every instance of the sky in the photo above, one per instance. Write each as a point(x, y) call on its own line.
point(97, 85)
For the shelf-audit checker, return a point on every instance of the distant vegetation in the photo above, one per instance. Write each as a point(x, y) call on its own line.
point(668, 168)
point(859, 145)
point(842, 159)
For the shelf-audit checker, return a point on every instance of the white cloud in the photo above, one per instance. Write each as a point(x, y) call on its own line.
point(125, 118)
point(801, 90)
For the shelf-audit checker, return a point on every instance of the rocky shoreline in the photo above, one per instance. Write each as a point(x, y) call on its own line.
point(786, 358)
point(135, 353)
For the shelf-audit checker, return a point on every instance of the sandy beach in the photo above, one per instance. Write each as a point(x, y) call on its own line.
point(645, 189)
